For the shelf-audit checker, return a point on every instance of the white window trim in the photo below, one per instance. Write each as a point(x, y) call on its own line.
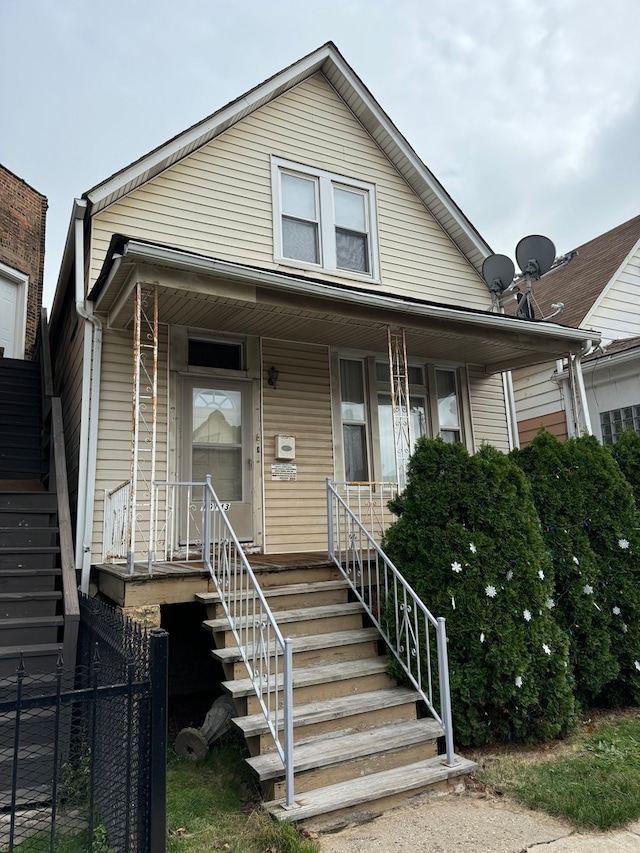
point(374, 388)
point(326, 182)
point(22, 282)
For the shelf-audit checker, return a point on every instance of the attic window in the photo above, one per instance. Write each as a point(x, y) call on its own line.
point(227, 356)
point(324, 221)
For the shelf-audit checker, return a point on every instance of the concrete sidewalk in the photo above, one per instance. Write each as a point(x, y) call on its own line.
point(474, 823)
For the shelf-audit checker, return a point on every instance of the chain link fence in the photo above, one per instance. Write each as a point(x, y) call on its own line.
point(83, 753)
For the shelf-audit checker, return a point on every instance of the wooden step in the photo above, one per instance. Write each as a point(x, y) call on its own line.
point(36, 725)
point(292, 596)
point(314, 683)
point(329, 760)
point(34, 767)
point(326, 718)
point(39, 658)
point(31, 630)
point(15, 604)
point(309, 650)
point(22, 578)
point(29, 557)
point(28, 537)
point(358, 800)
point(28, 517)
point(19, 500)
point(295, 622)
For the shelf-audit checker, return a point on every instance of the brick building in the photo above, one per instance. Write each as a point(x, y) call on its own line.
point(23, 213)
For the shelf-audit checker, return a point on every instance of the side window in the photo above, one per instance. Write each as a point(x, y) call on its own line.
point(300, 222)
point(448, 400)
point(354, 420)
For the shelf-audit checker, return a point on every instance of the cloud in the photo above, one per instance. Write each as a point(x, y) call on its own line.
point(528, 111)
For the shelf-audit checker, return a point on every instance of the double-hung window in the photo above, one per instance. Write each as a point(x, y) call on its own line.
point(363, 393)
point(324, 221)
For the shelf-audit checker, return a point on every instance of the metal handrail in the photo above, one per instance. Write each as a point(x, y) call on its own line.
point(115, 539)
point(267, 655)
point(382, 591)
point(369, 503)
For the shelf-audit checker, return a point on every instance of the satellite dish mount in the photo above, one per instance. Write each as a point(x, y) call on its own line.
point(535, 256)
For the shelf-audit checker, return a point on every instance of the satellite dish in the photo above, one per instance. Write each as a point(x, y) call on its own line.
point(535, 255)
point(498, 272)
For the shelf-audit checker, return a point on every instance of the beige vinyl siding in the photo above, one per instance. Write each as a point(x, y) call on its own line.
point(617, 314)
point(217, 201)
point(488, 409)
point(113, 457)
point(300, 405)
point(535, 392)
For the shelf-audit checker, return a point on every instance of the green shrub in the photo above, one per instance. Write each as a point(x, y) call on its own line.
point(589, 522)
point(467, 539)
point(626, 452)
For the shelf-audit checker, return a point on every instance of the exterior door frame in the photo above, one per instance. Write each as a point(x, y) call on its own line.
point(21, 282)
point(242, 512)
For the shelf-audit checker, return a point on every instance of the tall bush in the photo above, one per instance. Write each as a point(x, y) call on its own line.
point(467, 539)
point(589, 522)
point(626, 452)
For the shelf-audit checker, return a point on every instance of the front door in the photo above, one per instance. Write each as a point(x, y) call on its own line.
point(217, 437)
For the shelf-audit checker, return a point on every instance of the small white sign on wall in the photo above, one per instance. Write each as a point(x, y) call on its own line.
point(284, 471)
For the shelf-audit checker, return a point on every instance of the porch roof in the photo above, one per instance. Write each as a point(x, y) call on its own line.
point(209, 293)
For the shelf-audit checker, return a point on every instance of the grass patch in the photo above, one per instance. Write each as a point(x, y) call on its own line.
point(215, 806)
point(593, 780)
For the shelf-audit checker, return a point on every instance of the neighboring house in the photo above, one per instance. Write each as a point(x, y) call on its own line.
point(599, 287)
point(283, 237)
point(23, 213)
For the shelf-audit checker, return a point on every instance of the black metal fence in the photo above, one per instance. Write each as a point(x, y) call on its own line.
point(83, 754)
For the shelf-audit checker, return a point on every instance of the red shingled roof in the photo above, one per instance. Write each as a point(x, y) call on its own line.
point(579, 282)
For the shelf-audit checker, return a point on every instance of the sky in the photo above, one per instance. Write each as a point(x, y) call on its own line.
point(527, 111)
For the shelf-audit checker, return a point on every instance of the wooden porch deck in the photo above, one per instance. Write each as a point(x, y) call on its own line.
point(178, 582)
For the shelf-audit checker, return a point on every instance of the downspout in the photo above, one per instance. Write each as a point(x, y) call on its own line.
point(91, 360)
point(582, 394)
point(512, 419)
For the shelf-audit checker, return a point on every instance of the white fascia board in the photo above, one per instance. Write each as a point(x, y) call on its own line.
point(408, 152)
point(78, 211)
point(212, 266)
point(609, 285)
point(299, 70)
point(309, 65)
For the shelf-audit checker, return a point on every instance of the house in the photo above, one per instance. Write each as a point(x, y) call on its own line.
point(23, 213)
point(599, 289)
point(281, 295)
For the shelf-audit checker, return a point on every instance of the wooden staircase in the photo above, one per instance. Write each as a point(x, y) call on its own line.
point(360, 747)
point(31, 620)
point(38, 590)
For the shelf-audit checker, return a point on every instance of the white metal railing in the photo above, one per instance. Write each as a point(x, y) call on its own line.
point(415, 637)
point(369, 503)
point(193, 522)
point(115, 539)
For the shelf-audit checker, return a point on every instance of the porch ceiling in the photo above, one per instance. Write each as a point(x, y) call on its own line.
point(230, 299)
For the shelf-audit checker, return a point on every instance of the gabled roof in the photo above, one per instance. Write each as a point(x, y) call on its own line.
point(329, 61)
point(580, 282)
